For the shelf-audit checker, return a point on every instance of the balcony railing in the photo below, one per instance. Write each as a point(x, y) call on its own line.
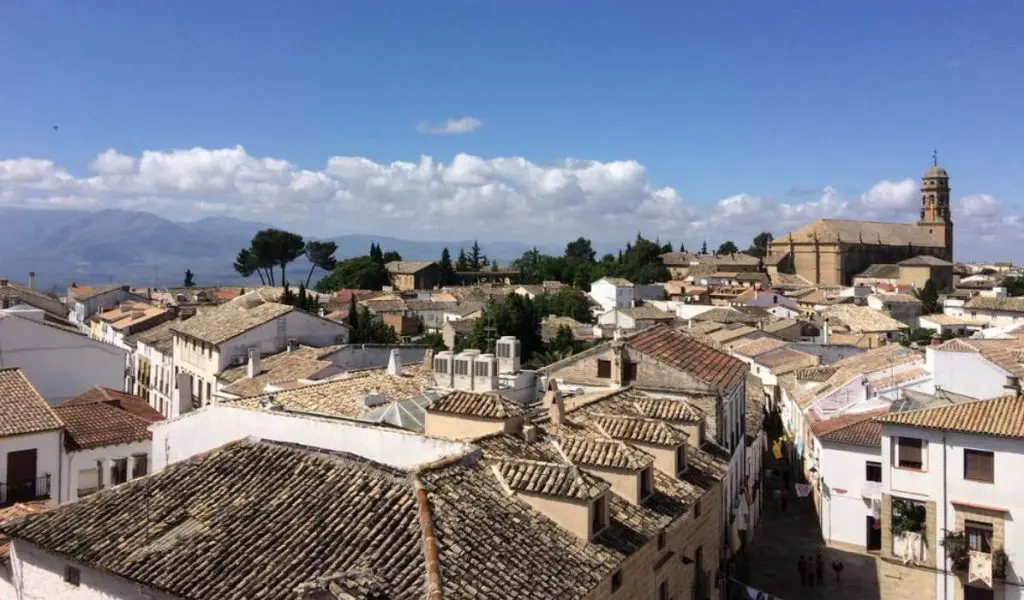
point(27, 491)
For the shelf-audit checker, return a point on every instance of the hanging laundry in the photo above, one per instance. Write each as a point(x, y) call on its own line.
point(755, 594)
point(980, 568)
point(876, 508)
point(803, 490)
point(777, 450)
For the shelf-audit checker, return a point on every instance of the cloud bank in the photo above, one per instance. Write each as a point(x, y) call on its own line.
point(500, 198)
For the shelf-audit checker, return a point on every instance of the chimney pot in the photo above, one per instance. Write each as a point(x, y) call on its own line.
point(255, 363)
point(395, 363)
point(31, 280)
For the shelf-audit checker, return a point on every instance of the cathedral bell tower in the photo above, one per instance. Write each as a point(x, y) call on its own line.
point(935, 215)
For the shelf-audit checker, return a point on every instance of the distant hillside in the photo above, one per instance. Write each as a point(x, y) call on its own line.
point(140, 248)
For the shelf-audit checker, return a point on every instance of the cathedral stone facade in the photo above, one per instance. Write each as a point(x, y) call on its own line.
point(832, 251)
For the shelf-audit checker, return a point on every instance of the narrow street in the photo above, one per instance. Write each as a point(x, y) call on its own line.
point(783, 536)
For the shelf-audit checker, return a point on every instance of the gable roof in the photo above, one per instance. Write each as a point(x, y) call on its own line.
point(165, 530)
point(687, 354)
point(1001, 417)
point(925, 260)
point(598, 452)
point(880, 271)
point(1013, 304)
point(231, 319)
point(862, 319)
point(488, 405)
point(160, 338)
point(645, 313)
point(861, 232)
point(96, 424)
point(861, 429)
point(22, 409)
point(129, 403)
point(550, 479)
point(300, 363)
point(408, 267)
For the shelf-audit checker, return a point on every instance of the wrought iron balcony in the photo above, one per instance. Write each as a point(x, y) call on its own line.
point(25, 491)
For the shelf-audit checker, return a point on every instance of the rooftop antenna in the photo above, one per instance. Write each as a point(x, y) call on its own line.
point(935, 157)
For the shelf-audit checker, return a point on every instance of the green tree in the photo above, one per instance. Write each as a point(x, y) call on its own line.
point(375, 254)
point(704, 247)
point(361, 273)
point(566, 302)
point(190, 279)
point(476, 259)
point(513, 315)
point(390, 256)
point(761, 245)
point(276, 248)
point(1014, 286)
point(728, 247)
point(320, 255)
point(682, 247)
point(564, 342)
point(462, 263)
point(434, 340)
point(929, 297)
point(246, 264)
point(353, 313)
point(370, 330)
point(580, 251)
point(447, 268)
point(287, 296)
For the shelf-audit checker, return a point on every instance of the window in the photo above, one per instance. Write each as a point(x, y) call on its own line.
point(141, 466)
point(598, 515)
point(979, 466)
point(72, 575)
point(119, 471)
point(696, 509)
point(88, 481)
point(978, 593)
point(646, 483)
point(628, 372)
point(680, 459)
point(661, 540)
point(979, 536)
point(663, 591)
point(604, 369)
point(873, 472)
point(909, 453)
point(616, 580)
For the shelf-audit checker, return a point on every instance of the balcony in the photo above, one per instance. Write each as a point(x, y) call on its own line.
point(27, 491)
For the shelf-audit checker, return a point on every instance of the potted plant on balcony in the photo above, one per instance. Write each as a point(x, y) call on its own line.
point(1000, 561)
point(955, 543)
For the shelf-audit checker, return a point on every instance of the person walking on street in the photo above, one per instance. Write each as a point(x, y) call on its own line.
point(785, 500)
point(837, 566)
point(801, 568)
point(819, 568)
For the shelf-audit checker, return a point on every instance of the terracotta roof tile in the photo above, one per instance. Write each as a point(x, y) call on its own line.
point(231, 319)
point(636, 429)
point(683, 352)
point(487, 405)
point(16, 511)
point(22, 409)
point(98, 424)
point(123, 400)
point(407, 267)
point(302, 363)
point(1015, 304)
point(602, 453)
point(755, 348)
point(863, 232)
point(851, 428)
point(1002, 417)
point(550, 479)
point(863, 319)
point(668, 409)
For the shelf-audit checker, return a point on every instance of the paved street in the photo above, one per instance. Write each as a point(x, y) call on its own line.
point(780, 540)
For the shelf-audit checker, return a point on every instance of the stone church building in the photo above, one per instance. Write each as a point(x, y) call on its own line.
point(833, 251)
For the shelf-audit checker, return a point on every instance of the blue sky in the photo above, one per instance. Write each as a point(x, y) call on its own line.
point(774, 100)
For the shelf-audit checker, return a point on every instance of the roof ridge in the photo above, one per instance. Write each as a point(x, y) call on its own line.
point(430, 550)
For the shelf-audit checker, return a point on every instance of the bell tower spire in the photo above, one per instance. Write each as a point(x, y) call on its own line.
point(935, 206)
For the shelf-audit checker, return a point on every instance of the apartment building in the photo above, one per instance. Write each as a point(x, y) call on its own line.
point(951, 498)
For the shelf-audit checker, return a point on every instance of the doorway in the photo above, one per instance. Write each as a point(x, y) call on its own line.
point(21, 476)
point(874, 534)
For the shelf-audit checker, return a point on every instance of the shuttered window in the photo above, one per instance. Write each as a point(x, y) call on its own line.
point(979, 466)
point(910, 453)
point(604, 369)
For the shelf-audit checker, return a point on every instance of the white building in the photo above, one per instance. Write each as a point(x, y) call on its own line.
point(217, 339)
point(153, 368)
point(106, 442)
point(60, 362)
point(775, 303)
point(636, 317)
point(905, 308)
point(996, 311)
point(613, 292)
point(84, 302)
point(30, 442)
point(956, 469)
point(942, 323)
point(977, 367)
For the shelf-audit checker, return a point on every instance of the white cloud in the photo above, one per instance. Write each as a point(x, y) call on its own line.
point(503, 198)
point(460, 125)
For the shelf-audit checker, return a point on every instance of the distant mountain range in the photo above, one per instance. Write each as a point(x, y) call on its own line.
point(140, 248)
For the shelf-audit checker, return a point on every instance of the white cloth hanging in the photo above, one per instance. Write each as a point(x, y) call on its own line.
point(980, 568)
point(912, 551)
point(876, 508)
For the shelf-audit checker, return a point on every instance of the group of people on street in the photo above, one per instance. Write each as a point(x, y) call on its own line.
point(812, 570)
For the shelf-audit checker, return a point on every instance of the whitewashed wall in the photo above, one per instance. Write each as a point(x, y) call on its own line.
point(298, 325)
point(39, 575)
point(844, 514)
point(216, 425)
point(966, 373)
point(61, 365)
point(48, 450)
point(75, 462)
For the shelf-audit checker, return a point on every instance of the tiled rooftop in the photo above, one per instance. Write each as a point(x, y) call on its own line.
point(302, 363)
point(407, 267)
point(636, 429)
point(862, 319)
point(345, 395)
point(602, 452)
point(160, 338)
point(124, 401)
point(862, 232)
point(550, 479)
point(1015, 304)
point(646, 313)
point(96, 424)
point(132, 314)
point(13, 512)
point(755, 348)
point(862, 429)
point(1001, 417)
point(22, 409)
point(488, 405)
point(683, 352)
point(231, 319)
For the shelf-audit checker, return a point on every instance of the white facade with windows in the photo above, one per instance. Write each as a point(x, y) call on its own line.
point(87, 471)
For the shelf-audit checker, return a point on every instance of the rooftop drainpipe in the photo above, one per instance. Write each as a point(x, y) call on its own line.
point(945, 522)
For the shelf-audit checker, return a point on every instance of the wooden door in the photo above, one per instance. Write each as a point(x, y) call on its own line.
point(874, 538)
point(21, 475)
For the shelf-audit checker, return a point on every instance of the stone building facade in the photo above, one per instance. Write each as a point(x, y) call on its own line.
point(832, 251)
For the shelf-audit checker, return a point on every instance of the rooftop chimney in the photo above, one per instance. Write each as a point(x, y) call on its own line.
point(4, 282)
point(395, 363)
point(31, 280)
point(255, 363)
point(556, 405)
point(293, 345)
point(183, 392)
point(1012, 384)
